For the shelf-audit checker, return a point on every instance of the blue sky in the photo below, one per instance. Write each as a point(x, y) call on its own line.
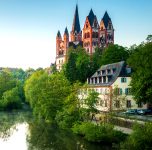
point(28, 27)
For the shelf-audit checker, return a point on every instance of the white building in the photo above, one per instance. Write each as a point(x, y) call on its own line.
point(112, 82)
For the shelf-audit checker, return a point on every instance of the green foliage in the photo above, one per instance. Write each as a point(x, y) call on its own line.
point(70, 114)
point(98, 133)
point(114, 53)
point(70, 69)
point(96, 60)
point(140, 139)
point(6, 82)
point(78, 65)
point(90, 103)
point(11, 99)
point(141, 63)
point(46, 93)
point(149, 38)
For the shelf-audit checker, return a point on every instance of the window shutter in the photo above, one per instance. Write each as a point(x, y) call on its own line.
point(126, 91)
point(120, 91)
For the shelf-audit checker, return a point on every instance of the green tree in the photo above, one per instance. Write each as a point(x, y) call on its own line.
point(141, 63)
point(70, 69)
point(71, 111)
point(96, 60)
point(6, 82)
point(149, 38)
point(82, 64)
point(11, 99)
point(114, 53)
point(90, 103)
point(46, 93)
point(77, 66)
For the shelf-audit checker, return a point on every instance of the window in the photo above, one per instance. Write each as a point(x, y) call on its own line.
point(95, 80)
point(128, 70)
point(123, 80)
point(100, 80)
point(103, 72)
point(128, 104)
point(101, 103)
point(98, 72)
point(128, 91)
point(118, 91)
point(117, 104)
point(140, 105)
point(114, 70)
point(108, 71)
point(105, 103)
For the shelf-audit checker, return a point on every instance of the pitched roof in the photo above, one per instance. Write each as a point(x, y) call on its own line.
point(66, 31)
point(106, 19)
point(76, 23)
point(91, 17)
point(58, 34)
point(111, 71)
point(75, 44)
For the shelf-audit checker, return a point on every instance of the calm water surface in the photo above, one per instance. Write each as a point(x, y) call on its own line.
point(18, 131)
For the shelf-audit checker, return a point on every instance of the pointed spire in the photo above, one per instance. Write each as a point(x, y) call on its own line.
point(91, 17)
point(106, 19)
point(59, 34)
point(66, 32)
point(76, 23)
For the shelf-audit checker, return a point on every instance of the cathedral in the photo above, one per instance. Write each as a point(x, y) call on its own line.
point(91, 36)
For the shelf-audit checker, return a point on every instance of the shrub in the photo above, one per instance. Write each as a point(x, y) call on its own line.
point(140, 139)
point(98, 133)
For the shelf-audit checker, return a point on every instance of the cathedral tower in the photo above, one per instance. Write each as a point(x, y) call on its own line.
point(66, 40)
point(76, 34)
point(58, 42)
point(106, 31)
point(91, 33)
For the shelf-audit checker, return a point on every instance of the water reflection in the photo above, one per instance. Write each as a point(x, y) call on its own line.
point(45, 137)
point(17, 141)
point(19, 132)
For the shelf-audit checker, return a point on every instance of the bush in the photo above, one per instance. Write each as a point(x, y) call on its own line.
point(140, 139)
point(98, 133)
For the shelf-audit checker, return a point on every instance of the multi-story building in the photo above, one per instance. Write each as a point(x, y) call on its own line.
point(92, 35)
point(112, 82)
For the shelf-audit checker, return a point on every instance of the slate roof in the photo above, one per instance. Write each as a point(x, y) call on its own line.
point(106, 19)
point(118, 69)
point(76, 23)
point(66, 31)
point(75, 44)
point(91, 17)
point(58, 34)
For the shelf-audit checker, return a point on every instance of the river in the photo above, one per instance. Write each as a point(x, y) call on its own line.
point(19, 131)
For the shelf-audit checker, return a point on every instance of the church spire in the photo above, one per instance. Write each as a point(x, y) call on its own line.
point(76, 23)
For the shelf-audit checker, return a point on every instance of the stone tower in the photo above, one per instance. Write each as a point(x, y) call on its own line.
point(91, 33)
point(76, 34)
point(106, 31)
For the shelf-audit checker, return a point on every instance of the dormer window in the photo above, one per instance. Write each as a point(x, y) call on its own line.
point(114, 70)
point(128, 70)
point(98, 72)
point(108, 71)
point(103, 72)
point(123, 80)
